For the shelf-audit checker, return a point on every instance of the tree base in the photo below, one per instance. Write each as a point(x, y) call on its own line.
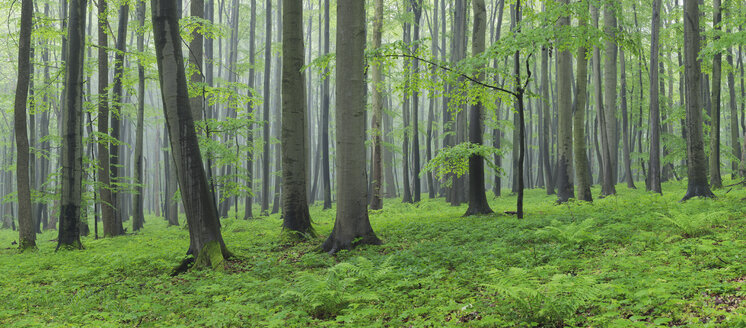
point(212, 255)
point(697, 191)
point(478, 209)
point(27, 245)
point(333, 244)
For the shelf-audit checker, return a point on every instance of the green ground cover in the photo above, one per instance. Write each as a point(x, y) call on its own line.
point(633, 260)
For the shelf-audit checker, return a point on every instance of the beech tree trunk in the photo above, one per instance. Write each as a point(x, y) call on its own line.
point(565, 184)
point(376, 202)
point(26, 229)
point(71, 161)
point(352, 226)
point(266, 129)
point(734, 131)
point(325, 170)
point(104, 172)
point(295, 215)
point(116, 121)
point(416, 184)
point(138, 217)
point(477, 196)
point(205, 240)
point(249, 205)
point(653, 181)
point(696, 165)
point(582, 170)
point(715, 179)
point(610, 84)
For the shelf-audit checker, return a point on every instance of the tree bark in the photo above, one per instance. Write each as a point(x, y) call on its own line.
point(266, 129)
point(352, 226)
point(546, 117)
point(71, 162)
point(610, 84)
point(416, 184)
point(582, 170)
point(653, 181)
point(116, 120)
point(197, 9)
point(625, 123)
point(407, 191)
point(565, 184)
point(376, 202)
point(138, 217)
point(296, 218)
point(477, 196)
point(607, 179)
point(249, 205)
point(26, 229)
point(696, 165)
point(715, 179)
point(734, 130)
point(205, 239)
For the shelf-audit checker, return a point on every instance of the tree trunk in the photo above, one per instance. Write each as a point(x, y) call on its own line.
point(582, 170)
point(610, 94)
point(546, 116)
point(625, 124)
point(734, 134)
point(71, 160)
point(352, 226)
point(565, 184)
point(715, 179)
point(249, 206)
point(197, 9)
point(116, 120)
point(607, 180)
point(376, 202)
point(696, 164)
point(477, 197)
point(416, 185)
point(326, 178)
point(266, 129)
point(138, 217)
point(407, 193)
point(26, 229)
point(205, 240)
point(295, 215)
point(104, 173)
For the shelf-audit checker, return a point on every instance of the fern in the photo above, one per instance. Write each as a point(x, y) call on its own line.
point(696, 225)
point(577, 235)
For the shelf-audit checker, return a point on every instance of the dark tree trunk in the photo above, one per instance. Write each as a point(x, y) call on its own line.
point(26, 230)
point(407, 193)
point(325, 170)
point(376, 202)
point(249, 209)
point(116, 120)
point(625, 124)
point(71, 180)
point(205, 240)
point(696, 164)
point(104, 172)
point(295, 215)
point(266, 129)
point(715, 179)
point(138, 217)
point(416, 185)
point(352, 226)
point(477, 197)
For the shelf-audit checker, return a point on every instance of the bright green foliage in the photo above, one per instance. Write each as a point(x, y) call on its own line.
point(614, 263)
point(451, 161)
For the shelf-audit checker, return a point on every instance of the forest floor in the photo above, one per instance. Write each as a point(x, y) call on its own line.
point(633, 260)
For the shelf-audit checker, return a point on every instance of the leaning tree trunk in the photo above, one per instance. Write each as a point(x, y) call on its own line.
point(582, 170)
point(653, 181)
point(26, 230)
point(565, 185)
point(695, 153)
point(205, 240)
point(477, 196)
point(295, 215)
point(71, 161)
point(715, 179)
point(138, 217)
point(376, 201)
point(352, 226)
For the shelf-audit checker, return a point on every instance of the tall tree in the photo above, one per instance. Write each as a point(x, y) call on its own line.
point(715, 178)
point(205, 240)
point(406, 104)
point(249, 205)
point(71, 162)
point(546, 117)
point(197, 10)
point(117, 99)
point(26, 230)
point(582, 170)
point(295, 215)
point(477, 197)
point(104, 173)
point(416, 185)
point(697, 185)
point(138, 217)
point(352, 225)
point(266, 129)
point(325, 170)
point(653, 181)
point(607, 178)
point(565, 184)
point(610, 85)
point(625, 122)
point(734, 134)
point(376, 202)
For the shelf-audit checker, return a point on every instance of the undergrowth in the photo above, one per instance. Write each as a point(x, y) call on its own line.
point(632, 260)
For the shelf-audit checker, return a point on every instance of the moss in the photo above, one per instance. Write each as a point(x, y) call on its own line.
point(211, 255)
point(26, 245)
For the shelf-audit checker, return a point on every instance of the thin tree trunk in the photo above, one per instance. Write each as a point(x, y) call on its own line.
point(116, 120)
point(376, 202)
point(416, 185)
point(625, 124)
point(138, 217)
point(715, 178)
point(610, 92)
point(26, 230)
point(266, 129)
point(249, 209)
point(325, 117)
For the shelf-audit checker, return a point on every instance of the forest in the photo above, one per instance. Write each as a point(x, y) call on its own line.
point(373, 163)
